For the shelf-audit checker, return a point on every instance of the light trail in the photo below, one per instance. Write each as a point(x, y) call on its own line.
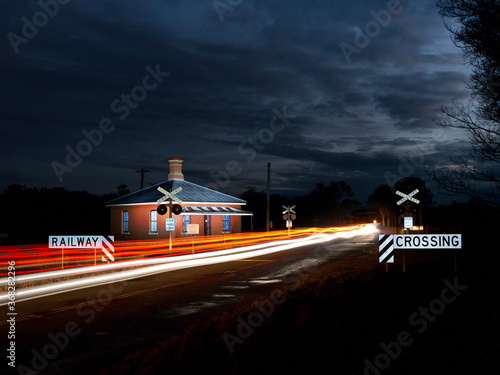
point(36, 258)
point(159, 265)
point(39, 258)
point(136, 263)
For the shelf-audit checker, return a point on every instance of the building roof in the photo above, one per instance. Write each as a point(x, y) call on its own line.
point(190, 193)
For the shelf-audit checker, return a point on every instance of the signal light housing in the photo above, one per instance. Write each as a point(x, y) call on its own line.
point(162, 209)
point(176, 209)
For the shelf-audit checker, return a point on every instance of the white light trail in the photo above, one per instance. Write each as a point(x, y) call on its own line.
point(166, 265)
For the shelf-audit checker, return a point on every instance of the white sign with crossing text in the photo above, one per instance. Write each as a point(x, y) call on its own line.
point(427, 241)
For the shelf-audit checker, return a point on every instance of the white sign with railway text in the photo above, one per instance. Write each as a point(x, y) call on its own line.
point(105, 243)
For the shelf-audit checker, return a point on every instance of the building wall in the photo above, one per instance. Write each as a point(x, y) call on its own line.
point(236, 224)
point(139, 223)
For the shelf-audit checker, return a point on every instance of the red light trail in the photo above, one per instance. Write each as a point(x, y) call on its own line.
point(39, 258)
point(156, 261)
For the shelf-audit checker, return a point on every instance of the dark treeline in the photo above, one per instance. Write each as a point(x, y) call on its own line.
point(331, 205)
point(30, 215)
point(323, 206)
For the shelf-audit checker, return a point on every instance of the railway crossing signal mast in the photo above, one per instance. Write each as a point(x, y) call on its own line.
point(171, 208)
point(289, 215)
point(409, 200)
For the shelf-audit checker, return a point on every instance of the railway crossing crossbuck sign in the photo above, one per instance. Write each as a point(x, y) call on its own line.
point(175, 209)
point(407, 197)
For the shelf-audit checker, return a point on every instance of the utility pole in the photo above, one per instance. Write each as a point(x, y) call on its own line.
point(268, 189)
point(142, 171)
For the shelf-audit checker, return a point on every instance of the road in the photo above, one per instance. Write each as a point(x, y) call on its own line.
point(78, 331)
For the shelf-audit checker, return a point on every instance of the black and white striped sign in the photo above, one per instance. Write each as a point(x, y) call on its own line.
point(108, 248)
point(85, 242)
point(389, 242)
point(386, 248)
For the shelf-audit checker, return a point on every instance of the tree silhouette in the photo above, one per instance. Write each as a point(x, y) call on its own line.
point(30, 215)
point(123, 190)
point(383, 200)
point(475, 28)
point(323, 202)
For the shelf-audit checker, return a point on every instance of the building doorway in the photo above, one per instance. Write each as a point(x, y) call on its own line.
point(208, 225)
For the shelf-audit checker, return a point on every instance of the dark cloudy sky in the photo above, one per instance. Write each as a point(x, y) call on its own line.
point(288, 82)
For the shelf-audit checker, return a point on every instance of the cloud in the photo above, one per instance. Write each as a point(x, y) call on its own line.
point(351, 121)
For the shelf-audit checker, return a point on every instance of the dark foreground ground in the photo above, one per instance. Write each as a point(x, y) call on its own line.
point(349, 317)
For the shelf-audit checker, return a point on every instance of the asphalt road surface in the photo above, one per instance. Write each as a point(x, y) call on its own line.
point(76, 332)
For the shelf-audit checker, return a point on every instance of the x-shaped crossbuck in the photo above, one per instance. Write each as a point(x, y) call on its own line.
point(407, 197)
point(291, 209)
point(169, 195)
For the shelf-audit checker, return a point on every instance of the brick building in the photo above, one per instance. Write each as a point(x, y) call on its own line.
point(134, 216)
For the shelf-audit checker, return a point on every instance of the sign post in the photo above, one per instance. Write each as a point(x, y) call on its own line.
point(407, 198)
point(193, 229)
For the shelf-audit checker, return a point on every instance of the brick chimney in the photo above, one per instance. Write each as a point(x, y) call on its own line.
point(175, 168)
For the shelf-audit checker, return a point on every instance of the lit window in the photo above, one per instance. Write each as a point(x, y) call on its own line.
point(153, 222)
point(125, 222)
point(226, 223)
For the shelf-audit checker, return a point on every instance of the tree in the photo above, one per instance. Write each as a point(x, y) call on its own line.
point(348, 209)
point(30, 215)
point(257, 204)
point(383, 200)
point(123, 190)
point(475, 28)
point(324, 201)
